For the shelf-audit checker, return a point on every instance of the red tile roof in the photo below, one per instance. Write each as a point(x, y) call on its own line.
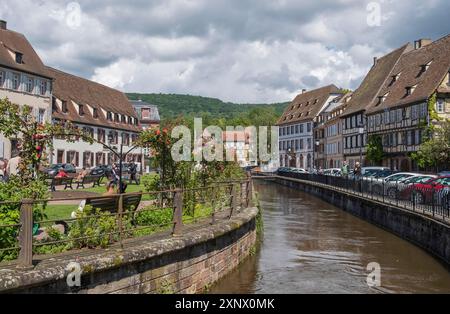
point(307, 106)
point(68, 87)
point(12, 42)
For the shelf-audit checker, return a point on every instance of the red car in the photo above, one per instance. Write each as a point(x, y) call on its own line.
point(422, 193)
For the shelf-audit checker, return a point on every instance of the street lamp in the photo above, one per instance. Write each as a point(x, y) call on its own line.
point(361, 135)
point(317, 152)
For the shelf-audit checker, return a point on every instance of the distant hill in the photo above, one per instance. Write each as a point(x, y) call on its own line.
point(174, 105)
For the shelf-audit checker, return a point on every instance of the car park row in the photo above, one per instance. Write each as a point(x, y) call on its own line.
point(416, 191)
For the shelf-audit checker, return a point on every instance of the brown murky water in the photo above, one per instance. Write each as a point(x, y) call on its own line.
point(313, 247)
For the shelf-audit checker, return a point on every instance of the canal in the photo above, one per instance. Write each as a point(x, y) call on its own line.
point(310, 246)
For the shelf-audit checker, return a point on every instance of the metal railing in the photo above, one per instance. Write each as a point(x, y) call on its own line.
point(116, 219)
point(433, 201)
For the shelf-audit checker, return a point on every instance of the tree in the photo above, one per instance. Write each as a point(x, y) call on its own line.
point(435, 151)
point(375, 151)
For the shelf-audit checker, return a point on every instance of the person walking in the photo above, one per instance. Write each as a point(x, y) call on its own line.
point(344, 169)
point(133, 173)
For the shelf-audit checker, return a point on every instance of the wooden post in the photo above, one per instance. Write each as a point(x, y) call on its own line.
point(120, 219)
point(26, 234)
point(178, 213)
point(233, 200)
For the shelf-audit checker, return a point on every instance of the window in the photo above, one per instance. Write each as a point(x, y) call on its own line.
point(73, 158)
point(309, 143)
point(95, 113)
point(424, 68)
point(308, 127)
point(101, 135)
point(124, 119)
point(399, 115)
point(126, 139)
point(296, 145)
point(410, 90)
point(100, 159)
point(109, 116)
point(302, 144)
point(16, 81)
point(440, 106)
point(59, 156)
point(296, 129)
point(30, 85)
point(113, 137)
point(394, 79)
point(116, 117)
point(64, 106)
point(43, 88)
point(19, 58)
point(2, 78)
point(145, 113)
point(89, 131)
point(41, 116)
point(301, 128)
point(88, 159)
point(81, 110)
point(130, 121)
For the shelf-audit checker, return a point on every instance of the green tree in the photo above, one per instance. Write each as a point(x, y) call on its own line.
point(375, 151)
point(435, 151)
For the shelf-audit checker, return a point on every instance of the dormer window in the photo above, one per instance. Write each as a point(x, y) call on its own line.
point(382, 98)
point(109, 116)
point(116, 117)
point(448, 78)
point(424, 68)
point(2, 78)
point(19, 58)
point(64, 106)
point(95, 113)
point(410, 90)
point(136, 121)
point(124, 119)
point(81, 110)
point(130, 120)
point(394, 79)
point(440, 106)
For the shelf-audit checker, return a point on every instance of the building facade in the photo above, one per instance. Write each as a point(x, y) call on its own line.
point(401, 111)
point(103, 112)
point(354, 117)
point(333, 148)
point(147, 114)
point(296, 136)
point(23, 80)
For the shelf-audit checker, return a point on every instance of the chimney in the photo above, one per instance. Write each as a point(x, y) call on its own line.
point(303, 90)
point(422, 43)
point(375, 61)
point(3, 25)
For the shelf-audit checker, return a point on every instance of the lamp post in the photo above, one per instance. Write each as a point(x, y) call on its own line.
point(361, 135)
point(317, 152)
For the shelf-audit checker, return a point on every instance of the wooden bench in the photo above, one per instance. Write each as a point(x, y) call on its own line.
point(66, 182)
point(111, 203)
point(89, 179)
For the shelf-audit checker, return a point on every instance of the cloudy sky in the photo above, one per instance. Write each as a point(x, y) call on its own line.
point(236, 50)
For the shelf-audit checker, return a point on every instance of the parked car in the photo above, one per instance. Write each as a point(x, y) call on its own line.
point(367, 171)
point(332, 172)
point(53, 169)
point(405, 190)
point(444, 173)
point(298, 170)
point(434, 190)
point(381, 186)
point(101, 170)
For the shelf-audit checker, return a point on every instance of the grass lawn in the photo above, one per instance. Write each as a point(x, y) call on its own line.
point(59, 212)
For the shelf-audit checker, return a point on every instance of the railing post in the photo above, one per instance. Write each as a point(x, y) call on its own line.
point(233, 200)
point(120, 219)
point(26, 233)
point(178, 213)
point(432, 200)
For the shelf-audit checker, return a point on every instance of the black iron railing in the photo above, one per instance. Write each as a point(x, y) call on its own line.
point(429, 200)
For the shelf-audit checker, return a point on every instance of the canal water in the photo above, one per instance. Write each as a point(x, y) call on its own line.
point(310, 246)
